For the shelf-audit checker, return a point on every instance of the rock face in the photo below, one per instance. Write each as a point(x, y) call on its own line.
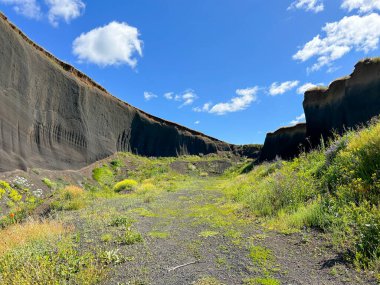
point(52, 116)
point(285, 143)
point(346, 103)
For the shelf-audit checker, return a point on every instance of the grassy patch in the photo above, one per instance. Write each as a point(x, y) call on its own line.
point(161, 235)
point(207, 234)
point(70, 198)
point(261, 281)
point(208, 281)
point(260, 255)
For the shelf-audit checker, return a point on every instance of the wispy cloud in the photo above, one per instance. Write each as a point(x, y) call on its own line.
point(187, 97)
point(64, 9)
point(315, 6)
point(169, 95)
point(197, 122)
point(301, 118)
point(242, 101)
point(360, 33)
point(281, 88)
point(28, 8)
point(149, 96)
point(114, 44)
point(204, 108)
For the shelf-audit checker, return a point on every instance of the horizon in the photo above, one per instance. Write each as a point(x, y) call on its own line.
point(143, 69)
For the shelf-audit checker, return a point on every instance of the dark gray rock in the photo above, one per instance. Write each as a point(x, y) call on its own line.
point(52, 116)
point(284, 143)
point(346, 103)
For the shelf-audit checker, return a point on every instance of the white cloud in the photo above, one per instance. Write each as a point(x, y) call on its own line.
point(64, 9)
point(169, 95)
point(188, 97)
point(241, 102)
point(204, 108)
point(280, 88)
point(197, 122)
point(301, 118)
point(113, 44)
point(302, 89)
point(364, 6)
point(360, 33)
point(28, 8)
point(315, 6)
point(149, 96)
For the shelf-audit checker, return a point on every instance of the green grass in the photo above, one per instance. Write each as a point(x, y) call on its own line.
point(161, 235)
point(260, 255)
point(207, 234)
point(335, 188)
point(261, 281)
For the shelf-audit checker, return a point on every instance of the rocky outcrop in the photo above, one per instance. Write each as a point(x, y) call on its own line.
point(53, 116)
point(346, 103)
point(285, 143)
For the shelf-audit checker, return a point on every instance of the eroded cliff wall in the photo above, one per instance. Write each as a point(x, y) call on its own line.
point(346, 103)
point(53, 116)
point(285, 143)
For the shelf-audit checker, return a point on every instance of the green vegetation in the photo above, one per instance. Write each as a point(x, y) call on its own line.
point(70, 198)
point(261, 281)
point(103, 175)
point(125, 185)
point(335, 189)
point(44, 253)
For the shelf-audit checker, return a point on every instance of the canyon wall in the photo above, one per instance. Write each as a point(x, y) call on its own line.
point(53, 116)
point(284, 143)
point(347, 103)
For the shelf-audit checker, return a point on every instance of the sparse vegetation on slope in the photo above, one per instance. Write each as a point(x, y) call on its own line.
point(335, 189)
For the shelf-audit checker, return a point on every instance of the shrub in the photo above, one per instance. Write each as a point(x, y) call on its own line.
point(49, 183)
point(125, 185)
point(70, 198)
point(130, 237)
point(103, 175)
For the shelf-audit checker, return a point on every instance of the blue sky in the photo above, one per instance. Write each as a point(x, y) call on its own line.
point(232, 69)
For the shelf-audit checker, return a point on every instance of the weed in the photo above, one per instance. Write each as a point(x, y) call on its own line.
point(130, 237)
point(106, 237)
point(125, 185)
point(112, 257)
point(49, 183)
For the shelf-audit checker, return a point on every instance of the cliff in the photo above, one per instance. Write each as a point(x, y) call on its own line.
point(346, 103)
point(53, 116)
point(285, 143)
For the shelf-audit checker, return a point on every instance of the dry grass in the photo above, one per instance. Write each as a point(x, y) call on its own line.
point(20, 234)
point(73, 192)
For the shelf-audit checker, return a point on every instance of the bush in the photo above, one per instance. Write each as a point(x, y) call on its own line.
point(103, 175)
point(125, 185)
point(70, 198)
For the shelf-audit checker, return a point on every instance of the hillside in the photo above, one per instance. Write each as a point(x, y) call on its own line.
point(53, 116)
